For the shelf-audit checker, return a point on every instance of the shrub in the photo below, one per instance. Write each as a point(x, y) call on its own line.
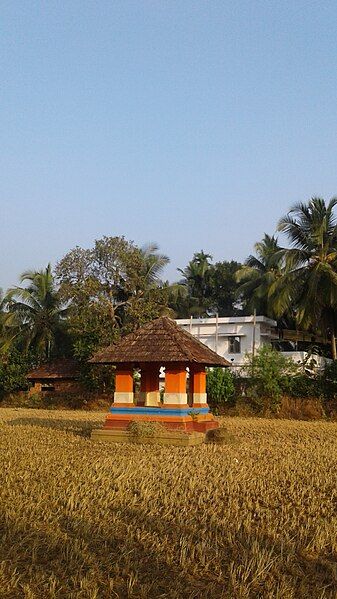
point(220, 386)
point(220, 436)
point(270, 374)
point(13, 370)
point(304, 386)
point(329, 381)
point(304, 408)
point(144, 429)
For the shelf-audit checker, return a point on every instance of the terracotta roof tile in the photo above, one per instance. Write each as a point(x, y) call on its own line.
point(160, 341)
point(63, 368)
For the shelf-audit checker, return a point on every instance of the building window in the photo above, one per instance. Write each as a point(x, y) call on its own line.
point(47, 387)
point(234, 345)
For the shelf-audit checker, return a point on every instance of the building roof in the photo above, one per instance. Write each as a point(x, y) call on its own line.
point(63, 368)
point(160, 341)
point(225, 320)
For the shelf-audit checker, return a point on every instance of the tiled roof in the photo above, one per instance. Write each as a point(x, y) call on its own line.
point(161, 341)
point(63, 368)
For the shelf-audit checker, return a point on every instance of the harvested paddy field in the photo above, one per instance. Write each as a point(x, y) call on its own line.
point(255, 517)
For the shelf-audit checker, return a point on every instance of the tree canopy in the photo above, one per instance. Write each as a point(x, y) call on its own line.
point(36, 316)
point(259, 273)
point(310, 278)
point(111, 288)
point(96, 294)
point(206, 288)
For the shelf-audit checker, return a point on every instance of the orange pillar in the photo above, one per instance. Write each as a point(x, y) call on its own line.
point(149, 385)
point(123, 385)
point(199, 387)
point(175, 386)
point(190, 387)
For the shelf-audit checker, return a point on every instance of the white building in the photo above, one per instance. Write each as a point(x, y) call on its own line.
point(234, 336)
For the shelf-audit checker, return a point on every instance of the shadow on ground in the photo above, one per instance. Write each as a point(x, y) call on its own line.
point(76, 427)
point(124, 562)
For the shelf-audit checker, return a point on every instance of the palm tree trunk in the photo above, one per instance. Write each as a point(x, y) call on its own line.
point(333, 345)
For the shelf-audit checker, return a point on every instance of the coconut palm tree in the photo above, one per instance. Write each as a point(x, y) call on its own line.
point(35, 316)
point(3, 340)
point(148, 297)
point(153, 264)
point(310, 279)
point(259, 273)
point(2, 314)
point(178, 300)
point(196, 277)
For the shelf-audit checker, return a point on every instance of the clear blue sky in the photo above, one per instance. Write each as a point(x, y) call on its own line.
point(191, 123)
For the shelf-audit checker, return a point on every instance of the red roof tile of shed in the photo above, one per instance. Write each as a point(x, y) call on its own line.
point(63, 368)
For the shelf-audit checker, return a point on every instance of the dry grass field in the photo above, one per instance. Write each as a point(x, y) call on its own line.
point(256, 517)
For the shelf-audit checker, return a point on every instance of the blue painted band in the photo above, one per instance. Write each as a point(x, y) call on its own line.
point(144, 411)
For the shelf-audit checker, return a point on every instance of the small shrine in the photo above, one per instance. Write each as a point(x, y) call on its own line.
point(182, 405)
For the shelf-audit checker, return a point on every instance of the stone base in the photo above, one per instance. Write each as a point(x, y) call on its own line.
point(177, 438)
point(177, 418)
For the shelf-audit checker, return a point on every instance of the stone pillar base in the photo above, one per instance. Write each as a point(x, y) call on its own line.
point(175, 399)
point(123, 397)
point(149, 398)
point(200, 399)
point(152, 398)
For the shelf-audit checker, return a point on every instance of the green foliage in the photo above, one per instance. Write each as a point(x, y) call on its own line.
point(310, 279)
point(206, 288)
point(179, 300)
point(152, 304)
point(220, 386)
point(304, 386)
point(96, 377)
point(35, 315)
point(13, 370)
point(112, 288)
point(270, 375)
point(196, 278)
point(258, 274)
point(223, 288)
point(329, 381)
